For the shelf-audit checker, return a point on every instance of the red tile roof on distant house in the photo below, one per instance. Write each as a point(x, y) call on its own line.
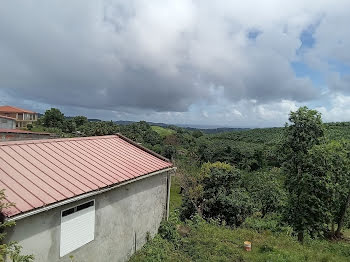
point(38, 173)
point(13, 109)
point(7, 117)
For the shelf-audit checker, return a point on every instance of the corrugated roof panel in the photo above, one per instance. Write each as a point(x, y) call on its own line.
point(100, 160)
point(74, 167)
point(123, 162)
point(61, 185)
point(87, 162)
point(42, 172)
point(77, 186)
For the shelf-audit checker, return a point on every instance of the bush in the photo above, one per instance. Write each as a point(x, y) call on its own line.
point(233, 208)
point(217, 192)
point(168, 231)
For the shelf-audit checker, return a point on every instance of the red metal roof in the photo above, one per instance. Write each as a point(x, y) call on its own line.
point(7, 117)
point(38, 173)
point(13, 109)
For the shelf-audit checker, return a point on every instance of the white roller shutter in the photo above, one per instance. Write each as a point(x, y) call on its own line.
point(77, 227)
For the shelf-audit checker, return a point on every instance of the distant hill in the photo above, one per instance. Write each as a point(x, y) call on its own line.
point(125, 123)
point(203, 128)
point(218, 130)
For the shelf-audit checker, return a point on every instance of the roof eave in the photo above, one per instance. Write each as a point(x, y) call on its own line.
point(83, 196)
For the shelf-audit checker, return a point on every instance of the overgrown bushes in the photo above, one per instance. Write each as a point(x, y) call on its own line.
point(220, 191)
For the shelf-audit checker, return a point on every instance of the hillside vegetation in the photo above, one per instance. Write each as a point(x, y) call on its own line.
point(209, 241)
point(287, 190)
point(163, 132)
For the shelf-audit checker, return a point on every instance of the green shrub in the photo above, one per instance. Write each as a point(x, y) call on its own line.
point(168, 231)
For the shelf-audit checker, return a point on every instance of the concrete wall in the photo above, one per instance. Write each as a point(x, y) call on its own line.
point(7, 123)
point(5, 136)
point(123, 217)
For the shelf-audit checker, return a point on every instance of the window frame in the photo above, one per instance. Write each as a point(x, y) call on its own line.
point(76, 208)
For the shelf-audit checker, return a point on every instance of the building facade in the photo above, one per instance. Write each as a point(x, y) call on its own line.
point(7, 122)
point(97, 199)
point(119, 224)
point(23, 117)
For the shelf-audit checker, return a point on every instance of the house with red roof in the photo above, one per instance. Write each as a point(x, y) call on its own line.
point(23, 117)
point(93, 198)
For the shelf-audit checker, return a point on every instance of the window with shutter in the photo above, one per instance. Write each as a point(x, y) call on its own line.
point(77, 227)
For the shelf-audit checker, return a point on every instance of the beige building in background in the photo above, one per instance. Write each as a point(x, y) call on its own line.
point(23, 117)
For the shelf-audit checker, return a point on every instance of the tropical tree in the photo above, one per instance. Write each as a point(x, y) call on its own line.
point(304, 131)
point(80, 120)
point(53, 118)
point(330, 166)
point(267, 190)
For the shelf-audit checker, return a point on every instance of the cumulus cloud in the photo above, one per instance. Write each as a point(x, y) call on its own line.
point(164, 58)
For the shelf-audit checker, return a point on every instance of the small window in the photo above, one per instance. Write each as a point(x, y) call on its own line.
point(67, 212)
point(86, 205)
point(77, 227)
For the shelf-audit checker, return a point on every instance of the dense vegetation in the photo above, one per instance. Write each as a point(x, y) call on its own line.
point(272, 186)
point(198, 240)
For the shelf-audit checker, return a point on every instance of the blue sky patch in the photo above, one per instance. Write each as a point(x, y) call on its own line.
point(253, 34)
point(302, 70)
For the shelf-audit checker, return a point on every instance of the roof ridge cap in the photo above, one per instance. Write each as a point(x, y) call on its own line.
point(149, 151)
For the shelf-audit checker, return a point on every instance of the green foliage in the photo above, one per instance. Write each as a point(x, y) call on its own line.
point(216, 193)
point(11, 250)
point(52, 118)
point(169, 151)
point(99, 128)
point(330, 165)
point(214, 242)
point(141, 132)
point(197, 133)
point(80, 120)
point(168, 231)
point(14, 253)
point(272, 222)
point(306, 209)
point(249, 149)
point(69, 126)
point(163, 132)
point(267, 190)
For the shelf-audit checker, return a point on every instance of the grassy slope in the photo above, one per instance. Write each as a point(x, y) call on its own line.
point(209, 242)
point(163, 132)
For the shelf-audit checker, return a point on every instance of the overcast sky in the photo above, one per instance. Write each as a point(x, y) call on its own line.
point(223, 63)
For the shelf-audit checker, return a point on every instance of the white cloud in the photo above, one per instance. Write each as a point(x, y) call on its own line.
point(176, 61)
point(339, 109)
